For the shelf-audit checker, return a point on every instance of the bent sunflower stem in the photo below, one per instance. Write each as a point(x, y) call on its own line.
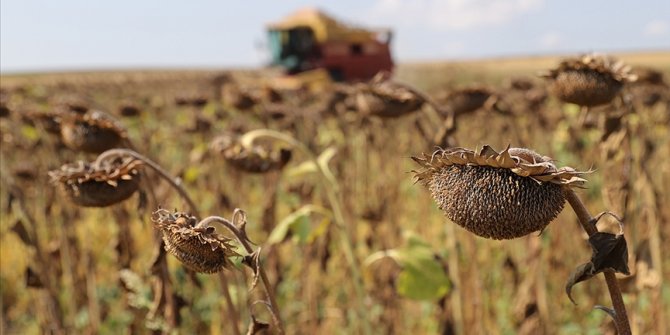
point(241, 236)
point(153, 165)
point(586, 221)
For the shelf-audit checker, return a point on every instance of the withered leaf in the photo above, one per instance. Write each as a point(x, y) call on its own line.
point(142, 202)
point(253, 261)
point(611, 312)
point(33, 279)
point(257, 327)
point(581, 273)
point(10, 199)
point(20, 229)
point(609, 252)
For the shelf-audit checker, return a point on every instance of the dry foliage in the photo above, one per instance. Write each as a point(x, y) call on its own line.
point(67, 269)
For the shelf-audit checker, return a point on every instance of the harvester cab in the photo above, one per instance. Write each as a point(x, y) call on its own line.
point(311, 41)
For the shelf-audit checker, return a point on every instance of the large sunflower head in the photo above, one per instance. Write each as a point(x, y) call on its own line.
point(496, 195)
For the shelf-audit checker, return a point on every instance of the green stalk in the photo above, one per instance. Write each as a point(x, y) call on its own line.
point(329, 184)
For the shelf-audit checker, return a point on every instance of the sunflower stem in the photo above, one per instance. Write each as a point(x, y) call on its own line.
point(230, 306)
point(241, 236)
point(50, 308)
point(586, 221)
point(161, 172)
point(331, 188)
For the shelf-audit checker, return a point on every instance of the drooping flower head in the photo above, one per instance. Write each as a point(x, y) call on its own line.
point(255, 159)
point(496, 195)
point(199, 248)
point(589, 80)
point(385, 98)
point(93, 132)
point(98, 184)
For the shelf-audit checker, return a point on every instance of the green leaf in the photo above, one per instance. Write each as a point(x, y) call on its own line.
point(301, 169)
point(301, 227)
point(30, 133)
point(139, 291)
point(299, 223)
point(308, 167)
point(191, 174)
point(319, 230)
point(422, 277)
point(323, 160)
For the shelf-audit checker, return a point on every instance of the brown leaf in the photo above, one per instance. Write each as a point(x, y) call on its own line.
point(33, 279)
point(253, 261)
point(581, 273)
point(20, 229)
point(611, 312)
point(609, 252)
point(256, 327)
point(142, 202)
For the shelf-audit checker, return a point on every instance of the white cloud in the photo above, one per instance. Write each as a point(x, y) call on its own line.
point(551, 40)
point(453, 14)
point(656, 28)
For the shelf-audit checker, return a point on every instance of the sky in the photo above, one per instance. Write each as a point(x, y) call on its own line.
point(47, 35)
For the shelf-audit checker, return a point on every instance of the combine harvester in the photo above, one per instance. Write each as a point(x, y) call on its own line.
point(314, 49)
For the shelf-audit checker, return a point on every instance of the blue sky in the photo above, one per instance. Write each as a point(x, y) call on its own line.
point(38, 35)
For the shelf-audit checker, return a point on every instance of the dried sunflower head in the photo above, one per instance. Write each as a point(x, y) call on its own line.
point(589, 80)
point(93, 132)
point(467, 100)
point(256, 159)
point(49, 121)
point(649, 76)
point(199, 248)
point(385, 98)
point(129, 109)
point(235, 96)
point(193, 99)
point(98, 184)
point(650, 87)
point(496, 195)
point(4, 110)
point(72, 103)
point(519, 83)
point(269, 94)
